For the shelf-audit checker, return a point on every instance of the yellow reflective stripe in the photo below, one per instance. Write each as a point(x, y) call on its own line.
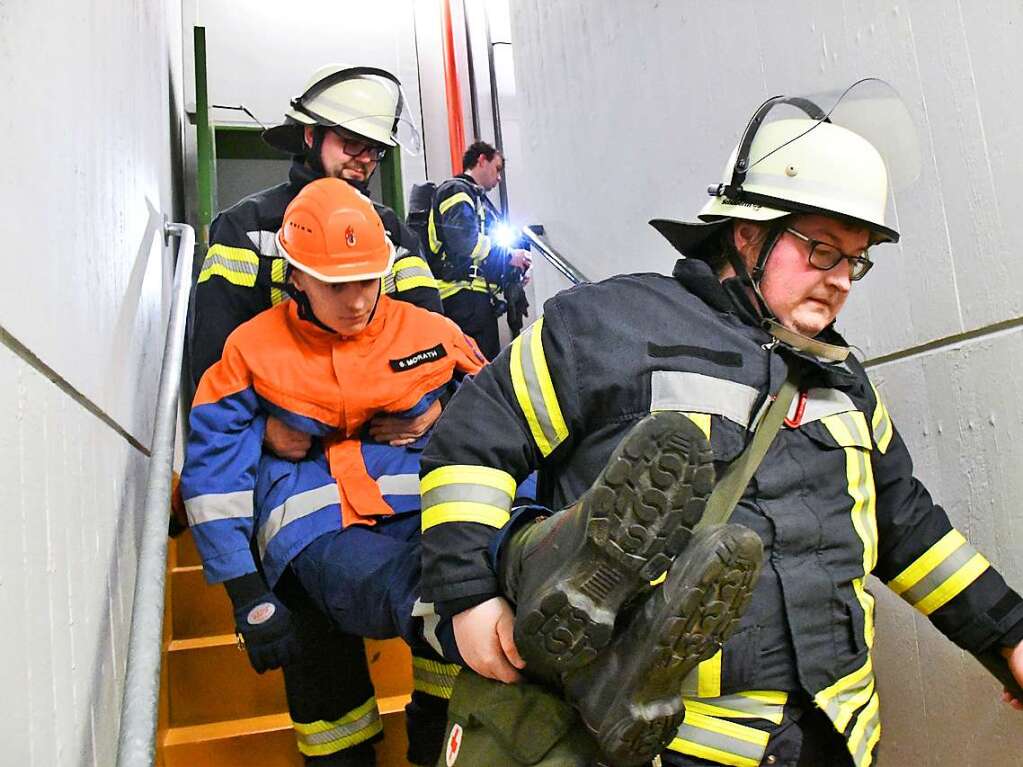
point(463, 474)
point(448, 289)
point(952, 587)
point(453, 200)
point(407, 273)
point(461, 493)
point(754, 704)
point(865, 733)
point(322, 738)
point(433, 677)
point(851, 429)
point(278, 268)
point(463, 511)
point(702, 421)
point(431, 231)
point(940, 574)
point(843, 698)
point(534, 390)
point(238, 266)
point(479, 250)
point(881, 423)
point(720, 741)
point(708, 683)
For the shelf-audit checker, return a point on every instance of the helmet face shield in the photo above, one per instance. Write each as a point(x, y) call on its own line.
point(870, 108)
point(835, 153)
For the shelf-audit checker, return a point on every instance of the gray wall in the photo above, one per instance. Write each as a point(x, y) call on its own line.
point(629, 111)
point(92, 128)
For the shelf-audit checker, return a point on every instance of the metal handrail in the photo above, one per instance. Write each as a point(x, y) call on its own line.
point(534, 233)
point(136, 746)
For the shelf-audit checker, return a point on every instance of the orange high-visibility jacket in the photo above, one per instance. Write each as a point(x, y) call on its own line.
point(321, 383)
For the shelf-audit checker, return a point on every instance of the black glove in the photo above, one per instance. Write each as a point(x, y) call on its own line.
point(264, 623)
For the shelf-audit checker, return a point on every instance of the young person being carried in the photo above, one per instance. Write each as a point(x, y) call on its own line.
point(327, 544)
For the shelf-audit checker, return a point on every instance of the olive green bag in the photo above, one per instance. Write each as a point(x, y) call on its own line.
point(492, 724)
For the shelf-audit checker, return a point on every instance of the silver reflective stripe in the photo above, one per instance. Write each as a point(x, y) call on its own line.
point(217, 255)
point(398, 484)
point(738, 706)
point(296, 507)
point(468, 493)
point(721, 742)
point(412, 271)
point(390, 285)
point(842, 706)
point(364, 722)
point(697, 393)
point(821, 403)
point(944, 570)
point(207, 508)
point(431, 620)
point(265, 242)
point(866, 732)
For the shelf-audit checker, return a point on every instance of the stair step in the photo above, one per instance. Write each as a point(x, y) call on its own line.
point(197, 608)
point(234, 742)
point(211, 679)
point(185, 550)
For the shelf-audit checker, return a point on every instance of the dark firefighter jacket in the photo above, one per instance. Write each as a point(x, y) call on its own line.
point(462, 254)
point(238, 276)
point(833, 500)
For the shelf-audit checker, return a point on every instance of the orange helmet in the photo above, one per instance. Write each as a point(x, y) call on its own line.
point(331, 232)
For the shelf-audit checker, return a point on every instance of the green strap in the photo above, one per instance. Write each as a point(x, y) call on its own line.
point(732, 484)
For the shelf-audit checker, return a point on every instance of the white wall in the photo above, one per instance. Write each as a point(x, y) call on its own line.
point(93, 95)
point(262, 55)
point(629, 112)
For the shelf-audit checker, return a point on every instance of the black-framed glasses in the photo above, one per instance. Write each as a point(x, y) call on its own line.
point(826, 256)
point(356, 145)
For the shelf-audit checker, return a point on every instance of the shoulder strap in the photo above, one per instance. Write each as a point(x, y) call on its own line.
point(736, 477)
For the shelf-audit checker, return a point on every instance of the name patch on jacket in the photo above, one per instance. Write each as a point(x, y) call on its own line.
point(419, 358)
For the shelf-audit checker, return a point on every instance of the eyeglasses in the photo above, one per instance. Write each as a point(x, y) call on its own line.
point(825, 256)
point(356, 146)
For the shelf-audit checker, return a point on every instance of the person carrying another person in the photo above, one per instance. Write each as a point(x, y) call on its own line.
point(470, 266)
point(740, 341)
point(331, 531)
point(331, 543)
point(341, 126)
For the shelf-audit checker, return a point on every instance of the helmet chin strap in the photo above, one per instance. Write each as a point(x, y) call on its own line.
point(768, 321)
point(305, 308)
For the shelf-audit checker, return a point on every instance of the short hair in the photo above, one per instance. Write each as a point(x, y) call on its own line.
point(475, 151)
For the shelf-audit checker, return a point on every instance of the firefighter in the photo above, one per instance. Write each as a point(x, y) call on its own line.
point(340, 126)
point(342, 518)
point(747, 314)
point(470, 267)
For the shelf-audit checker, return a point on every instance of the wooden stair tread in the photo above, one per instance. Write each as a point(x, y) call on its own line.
point(254, 725)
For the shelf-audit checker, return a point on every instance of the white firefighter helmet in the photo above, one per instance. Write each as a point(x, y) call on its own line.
point(365, 101)
point(833, 154)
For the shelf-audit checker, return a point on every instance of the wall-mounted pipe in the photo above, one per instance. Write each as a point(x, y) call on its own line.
point(456, 125)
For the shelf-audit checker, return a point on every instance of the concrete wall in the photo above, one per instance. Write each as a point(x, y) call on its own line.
point(92, 132)
point(629, 112)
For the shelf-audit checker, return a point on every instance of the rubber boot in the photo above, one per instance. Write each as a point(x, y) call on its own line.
point(630, 697)
point(571, 573)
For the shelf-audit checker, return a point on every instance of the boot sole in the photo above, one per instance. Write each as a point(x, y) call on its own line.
point(640, 514)
point(689, 625)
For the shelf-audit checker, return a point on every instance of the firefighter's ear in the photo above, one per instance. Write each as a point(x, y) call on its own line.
point(749, 236)
point(308, 135)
